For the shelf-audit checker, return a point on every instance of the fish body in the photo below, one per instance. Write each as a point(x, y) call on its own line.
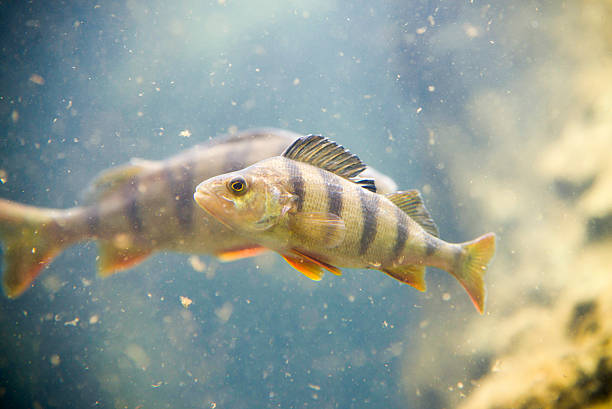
point(309, 206)
point(138, 209)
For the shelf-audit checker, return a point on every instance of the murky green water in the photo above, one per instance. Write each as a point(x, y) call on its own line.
point(85, 86)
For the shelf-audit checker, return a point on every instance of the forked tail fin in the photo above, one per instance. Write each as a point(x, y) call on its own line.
point(31, 237)
point(473, 265)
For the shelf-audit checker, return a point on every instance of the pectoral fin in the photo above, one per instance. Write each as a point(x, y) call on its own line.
point(113, 258)
point(410, 274)
point(326, 228)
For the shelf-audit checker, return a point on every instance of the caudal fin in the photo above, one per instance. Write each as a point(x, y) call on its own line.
point(473, 265)
point(31, 238)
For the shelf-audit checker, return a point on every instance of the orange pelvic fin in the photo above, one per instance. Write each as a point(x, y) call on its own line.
point(31, 239)
point(117, 256)
point(237, 254)
point(478, 254)
point(328, 267)
point(411, 274)
point(309, 266)
point(306, 267)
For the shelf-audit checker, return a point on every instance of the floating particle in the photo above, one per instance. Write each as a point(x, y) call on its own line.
point(37, 79)
point(186, 301)
point(314, 387)
point(197, 264)
point(225, 312)
point(94, 319)
point(185, 133)
point(55, 359)
point(137, 355)
point(72, 323)
point(471, 31)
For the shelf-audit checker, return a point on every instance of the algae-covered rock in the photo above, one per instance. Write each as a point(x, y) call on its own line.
point(545, 185)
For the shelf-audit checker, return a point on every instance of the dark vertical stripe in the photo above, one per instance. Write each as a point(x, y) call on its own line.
point(334, 192)
point(296, 182)
point(401, 234)
point(369, 210)
point(181, 187)
point(93, 219)
point(430, 246)
point(133, 208)
point(457, 257)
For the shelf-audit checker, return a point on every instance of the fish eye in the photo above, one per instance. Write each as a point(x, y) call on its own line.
point(238, 185)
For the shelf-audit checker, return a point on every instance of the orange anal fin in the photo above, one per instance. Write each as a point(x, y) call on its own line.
point(305, 266)
point(413, 275)
point(113, 258)
point(237, 254)
point(328, 267)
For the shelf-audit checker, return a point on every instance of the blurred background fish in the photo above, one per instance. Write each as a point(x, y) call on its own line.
point(138, 209)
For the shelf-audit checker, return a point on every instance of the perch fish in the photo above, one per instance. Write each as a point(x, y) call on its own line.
point(138, 209)
point(312, 206)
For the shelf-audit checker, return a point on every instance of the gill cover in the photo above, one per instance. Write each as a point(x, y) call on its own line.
point(276, 205)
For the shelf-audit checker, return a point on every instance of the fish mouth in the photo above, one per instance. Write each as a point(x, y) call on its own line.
point(202, 198)
point(207, 200)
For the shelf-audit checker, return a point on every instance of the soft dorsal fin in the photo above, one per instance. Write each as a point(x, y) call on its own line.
point(411, 202)
point(323, 153)
point(111, 179)
point(250, 135)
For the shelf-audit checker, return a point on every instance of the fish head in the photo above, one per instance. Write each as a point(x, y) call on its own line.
point(246, 201)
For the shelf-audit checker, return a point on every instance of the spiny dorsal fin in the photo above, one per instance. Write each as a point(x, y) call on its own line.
point(368, 184)
point(319, 151)
point(411, 202)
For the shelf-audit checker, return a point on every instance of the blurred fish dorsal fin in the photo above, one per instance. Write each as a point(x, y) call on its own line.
point(252, 135)
point(111, 179)
point(411, 202)
point(323, 153)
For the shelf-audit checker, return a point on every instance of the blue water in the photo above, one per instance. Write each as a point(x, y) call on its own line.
point(122, 80)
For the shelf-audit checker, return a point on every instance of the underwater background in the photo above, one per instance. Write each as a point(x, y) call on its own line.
point(500, 113)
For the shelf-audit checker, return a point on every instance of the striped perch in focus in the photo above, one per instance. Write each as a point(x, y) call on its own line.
point(310, 206)
point(138, 209)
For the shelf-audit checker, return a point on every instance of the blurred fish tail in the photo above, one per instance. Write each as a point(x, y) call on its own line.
point(31, 238)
